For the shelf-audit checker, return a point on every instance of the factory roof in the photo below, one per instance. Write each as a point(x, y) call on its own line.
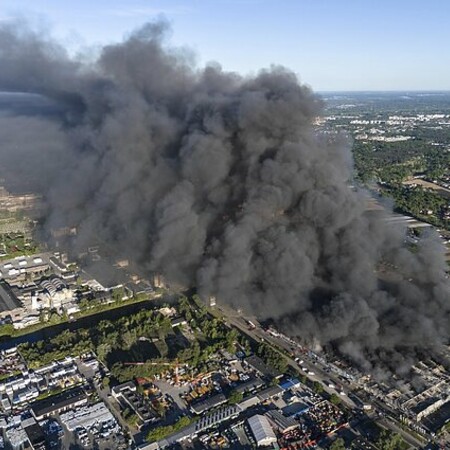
point(58, 264)
point(205, 422)
point(35, 434)
point(87, 417)
point(16, 436)
point(435, 421)
point(260, 366)
point(151, 446)
point(295, 409)
point(424, 404)
point(106, 275)
point(8, 300)
point(211, 402)
point(216, 417)
point(23, 264)
point(57, 402)
point(290, 383)
point(128, 385)
point(249, 402)
point(261, 429)
point(284, 423)
point(269, 392)
point(249, 385)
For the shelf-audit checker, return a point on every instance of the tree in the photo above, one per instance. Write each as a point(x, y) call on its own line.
point(6, 330)
point(161, 432)
point(130, 417)
point(160, 409)
point(389, 441)
point(338, 444)
point(118, 294)
point(54, 317)
point(235, 397)
point(334, 398)
point(84, 304)
point(231, 338)
point(184, 306)
point(318, 388)
point(105, 382)
point(272, 357)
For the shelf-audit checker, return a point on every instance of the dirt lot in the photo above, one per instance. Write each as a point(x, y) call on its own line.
point(427, 184)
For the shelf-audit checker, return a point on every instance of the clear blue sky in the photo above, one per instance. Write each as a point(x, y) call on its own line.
point(330, 44)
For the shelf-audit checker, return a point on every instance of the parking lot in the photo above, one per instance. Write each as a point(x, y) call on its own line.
point(175, 392)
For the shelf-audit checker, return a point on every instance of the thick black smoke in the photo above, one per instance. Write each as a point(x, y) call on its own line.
point(221, 182)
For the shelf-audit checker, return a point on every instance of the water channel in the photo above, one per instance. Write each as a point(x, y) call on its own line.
point(83, 322)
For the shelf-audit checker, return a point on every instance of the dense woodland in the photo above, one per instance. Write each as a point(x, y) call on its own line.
point(390, 164)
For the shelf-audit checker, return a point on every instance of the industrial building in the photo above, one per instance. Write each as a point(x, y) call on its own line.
point(127, 396)
point(269, 393)
point(262, 430)
point(295, 409)
point(17, 438)
point(249, 402)
point(58, 403)
point(10, 305)
point(35, 435)
point(257, 364)
point(250, 385)
point(205, 423)
point(17, 268)
point(290, 383)
point(204, 405)
point(87, 417)
point(281, 422)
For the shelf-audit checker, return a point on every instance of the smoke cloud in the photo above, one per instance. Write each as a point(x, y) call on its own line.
point(220, 181)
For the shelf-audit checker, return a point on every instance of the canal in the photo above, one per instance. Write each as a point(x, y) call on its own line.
point(83, 322)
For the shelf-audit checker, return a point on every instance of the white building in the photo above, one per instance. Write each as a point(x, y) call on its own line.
point(87, 417)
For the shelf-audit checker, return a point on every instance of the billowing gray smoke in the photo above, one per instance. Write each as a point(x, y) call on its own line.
point(220, 182)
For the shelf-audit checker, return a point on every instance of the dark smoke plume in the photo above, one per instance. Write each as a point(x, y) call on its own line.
point(220, 181)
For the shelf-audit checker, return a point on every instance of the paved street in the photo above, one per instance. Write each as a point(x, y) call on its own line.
point(320, 374)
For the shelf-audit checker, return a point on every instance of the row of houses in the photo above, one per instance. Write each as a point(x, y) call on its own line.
point(24, 388)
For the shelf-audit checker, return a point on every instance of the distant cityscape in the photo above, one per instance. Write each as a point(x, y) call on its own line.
point(401, 147)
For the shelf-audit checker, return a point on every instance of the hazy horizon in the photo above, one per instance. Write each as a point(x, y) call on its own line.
point(332, 46)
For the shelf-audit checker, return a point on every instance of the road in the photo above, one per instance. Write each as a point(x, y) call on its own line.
point(105, 395)
point(407, 437)
point(321, 372)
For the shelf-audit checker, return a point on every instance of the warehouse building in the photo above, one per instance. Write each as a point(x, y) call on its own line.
point(295, 409)
point(250, 385)
point(87, 417)
point(269, 393)
point(205, 423)
point(281, 422)
point(249, 402)
point(262, 430)
point(58, 403)
point(10, 305)
point(257, 364)
point(204, 405)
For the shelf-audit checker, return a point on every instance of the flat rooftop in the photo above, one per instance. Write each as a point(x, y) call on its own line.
point(55, 402)
point(260, 366)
